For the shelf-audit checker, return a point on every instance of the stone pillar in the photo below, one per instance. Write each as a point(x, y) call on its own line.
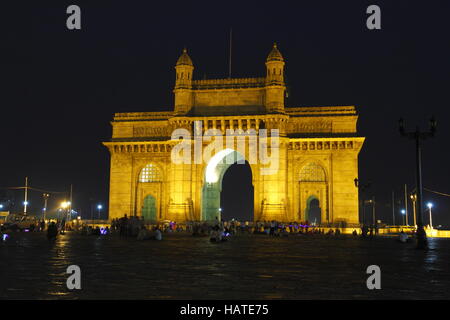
point(120, 196)
point(274, 192)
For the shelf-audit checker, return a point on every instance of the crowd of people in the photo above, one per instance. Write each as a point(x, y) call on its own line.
point(218, 231)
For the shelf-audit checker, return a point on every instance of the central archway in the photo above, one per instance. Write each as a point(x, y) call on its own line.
point(213, 178)
point(313, 212)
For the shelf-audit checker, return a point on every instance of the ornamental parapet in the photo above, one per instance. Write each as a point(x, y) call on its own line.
point(142, 116)
point(319, 144)
point(228, 83)
point(320, 111)
point(162, 147)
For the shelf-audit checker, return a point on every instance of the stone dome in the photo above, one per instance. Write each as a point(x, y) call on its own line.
point(275, 54)
point(184, 59)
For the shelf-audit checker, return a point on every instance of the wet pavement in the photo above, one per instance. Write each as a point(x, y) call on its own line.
point(246, 267)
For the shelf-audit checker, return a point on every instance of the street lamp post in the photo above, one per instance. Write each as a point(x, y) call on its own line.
point(404, 214)
point(362, 188)
point(25, 202)
point(418, 136)
point(413, 199)
point(430, 205)
point(45, 196)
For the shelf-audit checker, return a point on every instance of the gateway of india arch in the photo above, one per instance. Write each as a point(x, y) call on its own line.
point(317, 153)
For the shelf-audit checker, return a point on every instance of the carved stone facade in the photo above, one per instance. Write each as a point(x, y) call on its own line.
point(317, 152)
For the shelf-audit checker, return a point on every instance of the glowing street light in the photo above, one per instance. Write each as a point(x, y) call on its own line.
point(403, 213)
point(65, 205)
point(430, 205)
point(99, 207)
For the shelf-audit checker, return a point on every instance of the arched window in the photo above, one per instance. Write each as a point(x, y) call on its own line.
point(150, 173)
point(312, 172)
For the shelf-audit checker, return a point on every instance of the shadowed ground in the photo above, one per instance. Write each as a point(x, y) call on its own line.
point(246, 267)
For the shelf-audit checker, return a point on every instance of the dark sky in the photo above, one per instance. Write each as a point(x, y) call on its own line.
point(60, 88)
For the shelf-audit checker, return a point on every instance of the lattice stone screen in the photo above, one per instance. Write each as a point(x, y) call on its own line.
point(150, 173)
point(312, 172)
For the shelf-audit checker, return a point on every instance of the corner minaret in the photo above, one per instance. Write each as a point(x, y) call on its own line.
point(275, 86)
point(183, 83)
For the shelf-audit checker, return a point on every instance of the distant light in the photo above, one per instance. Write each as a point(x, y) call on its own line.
point(429, 205)
point(5, 236)
point(79, 218)
point(25, 203)
point(403, 211)
point(1, 206)
point(99, 207)
point(220, 209)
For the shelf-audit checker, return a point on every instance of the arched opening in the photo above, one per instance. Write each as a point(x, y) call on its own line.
point(236, 198)
point(149, 193)
point(313, 191)
point(313, 212)
point(215, 171)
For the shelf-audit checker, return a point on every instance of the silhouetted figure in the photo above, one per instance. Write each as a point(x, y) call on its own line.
point(403, 237)
point(371, 232)
point(364, 231)
point(272, 228)
point(123, 226)
point(52, 231)
point(158, 234)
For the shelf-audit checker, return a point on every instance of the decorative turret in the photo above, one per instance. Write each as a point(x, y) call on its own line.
point(183, 83)
point(275, 86)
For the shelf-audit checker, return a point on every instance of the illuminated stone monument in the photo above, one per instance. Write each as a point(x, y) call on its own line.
point(316, 155)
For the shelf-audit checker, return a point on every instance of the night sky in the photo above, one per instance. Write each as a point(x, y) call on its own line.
point(60, 88)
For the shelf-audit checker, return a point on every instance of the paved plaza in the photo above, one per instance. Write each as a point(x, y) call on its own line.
point(245, 267)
